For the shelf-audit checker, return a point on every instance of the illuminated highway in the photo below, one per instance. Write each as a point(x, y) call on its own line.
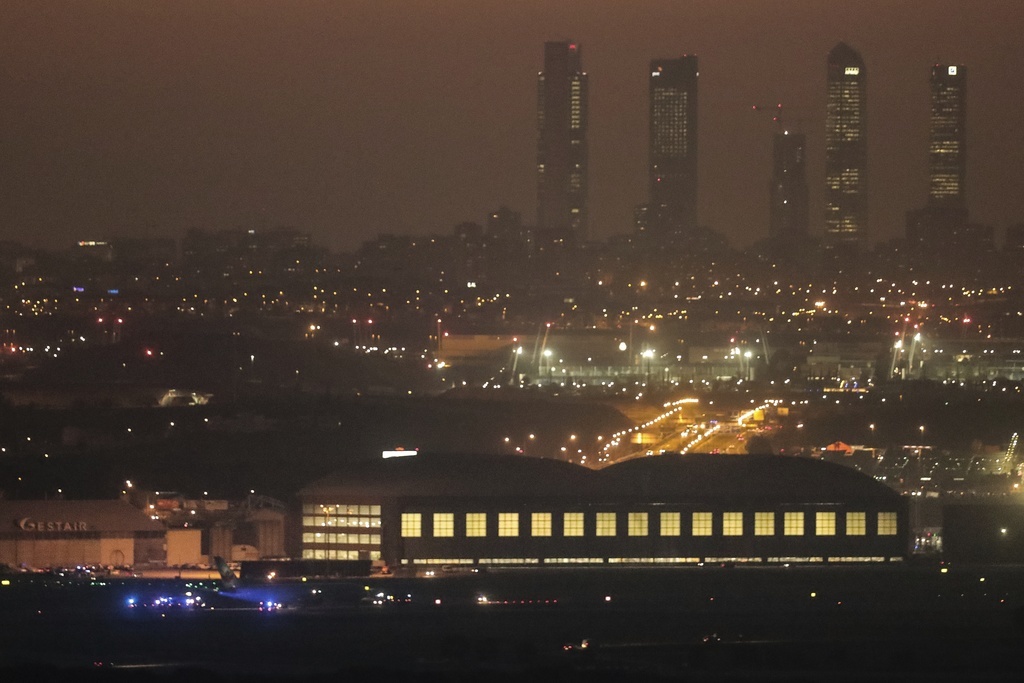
point(683, 427)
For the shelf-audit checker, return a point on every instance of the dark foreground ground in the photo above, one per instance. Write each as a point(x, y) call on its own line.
point(700, 624)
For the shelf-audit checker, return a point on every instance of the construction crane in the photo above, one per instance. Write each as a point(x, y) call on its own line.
point(776, 112)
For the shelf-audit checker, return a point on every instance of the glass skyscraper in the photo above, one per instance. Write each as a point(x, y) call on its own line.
point(562, 141)
point(672, 148)
point(846, 180)
point(947, 143)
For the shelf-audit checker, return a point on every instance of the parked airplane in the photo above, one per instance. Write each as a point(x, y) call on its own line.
point(273, 593)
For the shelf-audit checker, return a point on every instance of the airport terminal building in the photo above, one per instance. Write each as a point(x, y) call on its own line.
point(464, 510)
point(68, 533)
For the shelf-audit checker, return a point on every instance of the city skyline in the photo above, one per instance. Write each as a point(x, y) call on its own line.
point(352, 122)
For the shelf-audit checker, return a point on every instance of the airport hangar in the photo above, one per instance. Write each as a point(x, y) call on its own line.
point(463, 511)
point(68, 533)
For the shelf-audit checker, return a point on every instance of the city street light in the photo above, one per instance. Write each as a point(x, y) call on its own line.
point(648, 354)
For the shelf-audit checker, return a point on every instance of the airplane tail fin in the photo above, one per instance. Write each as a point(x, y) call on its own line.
point(227, 576)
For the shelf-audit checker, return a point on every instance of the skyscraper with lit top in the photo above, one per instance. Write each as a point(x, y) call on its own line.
point(846, 178)
point(947, 142)
point(942, 227)
point(562, 141)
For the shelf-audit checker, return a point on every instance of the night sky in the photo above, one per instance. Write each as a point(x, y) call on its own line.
point(349, 118)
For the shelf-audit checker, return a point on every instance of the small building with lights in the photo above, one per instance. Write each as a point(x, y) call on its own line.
point(69, 533)
point(462, 511)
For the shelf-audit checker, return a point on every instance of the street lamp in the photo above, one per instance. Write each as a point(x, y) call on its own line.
point(896, 349)
point(648, 354)
point(515, 361)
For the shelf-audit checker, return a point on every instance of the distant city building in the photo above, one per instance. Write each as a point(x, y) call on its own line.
point(947, 145)
point(505, 223)
point(672, 148)
point(846, 180)
point(788, 189)
point(943, 224)
point(1014, 238)
point(235, 252)
point(562, 140)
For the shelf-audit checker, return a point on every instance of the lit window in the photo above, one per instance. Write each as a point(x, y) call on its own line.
point(605, 524)
point(508, 523)
point(669, 523)
point(444, 525)
point(732, 524)
point(764, 524)
point(701, 523)
point(476, 524)
point(540, 524)
point(637, 524)
point(572, 524)
point(411, 524)
point(855, 523)
point(886, 523)
point(825, 523)
point(793, 524)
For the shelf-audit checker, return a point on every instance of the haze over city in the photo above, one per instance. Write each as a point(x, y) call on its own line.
point(528, 340)
point(347, 120)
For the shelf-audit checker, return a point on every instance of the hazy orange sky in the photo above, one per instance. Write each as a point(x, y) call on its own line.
point(351, 118)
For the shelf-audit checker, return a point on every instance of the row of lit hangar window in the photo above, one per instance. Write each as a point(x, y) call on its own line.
point(574, 524)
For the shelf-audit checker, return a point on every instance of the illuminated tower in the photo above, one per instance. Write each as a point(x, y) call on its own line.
point(942, 226)
point(947, 148)
point(846, 180)
point(788, 188)
point(562, 141)
point(672, 147)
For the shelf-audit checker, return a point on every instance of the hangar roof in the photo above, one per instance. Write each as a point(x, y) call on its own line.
point(661, 478)
point(429, 474)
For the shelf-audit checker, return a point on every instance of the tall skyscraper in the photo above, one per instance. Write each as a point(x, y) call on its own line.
point(562, 141)
point(788, 188)
point(942, 227)
point(846, 179)
point(672, 148)
point(947, 148)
